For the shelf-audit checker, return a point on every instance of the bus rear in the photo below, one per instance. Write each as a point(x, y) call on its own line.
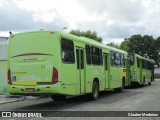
point(135, 76)
point(141, 70)
point(33, 63)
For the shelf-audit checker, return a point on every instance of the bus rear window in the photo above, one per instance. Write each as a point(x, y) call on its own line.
point(131, 57)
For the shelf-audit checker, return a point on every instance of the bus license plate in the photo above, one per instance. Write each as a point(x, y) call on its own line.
point(30, 90)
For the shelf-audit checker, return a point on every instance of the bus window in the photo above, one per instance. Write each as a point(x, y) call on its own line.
point(122, 61)
point(117, 60)
point(131, 57)
point(82, 60)
point(95, 55)
point(77, 55)
point(105, 62)
point(138, 62)
point(88, 54)
point(67, 51)
point(101, 60)
point(149, 65)
point(80, 64)
point(144, 64)
point(112, 59)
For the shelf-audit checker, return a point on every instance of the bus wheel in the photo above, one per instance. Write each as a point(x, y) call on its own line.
point(60, 98)
point(149, 83)
point(95, 91)
point(143, 83)
point(123, 84)
point(121, 88)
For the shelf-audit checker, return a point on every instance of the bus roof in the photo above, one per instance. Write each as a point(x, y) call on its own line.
point(143, 58)
point(92, 42)
point(76, 38)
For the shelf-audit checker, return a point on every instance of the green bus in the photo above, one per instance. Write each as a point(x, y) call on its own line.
point(141, 70)
point(60, 64)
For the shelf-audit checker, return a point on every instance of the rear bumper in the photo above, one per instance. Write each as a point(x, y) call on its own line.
point(39, 89)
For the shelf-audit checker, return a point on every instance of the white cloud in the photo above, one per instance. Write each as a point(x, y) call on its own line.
point(110, 22)
point(46, 11)
point(46, 17)
point(1, 5)
point(113, 20)
point(115, 40)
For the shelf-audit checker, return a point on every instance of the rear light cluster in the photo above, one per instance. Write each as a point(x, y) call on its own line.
point(9, 77)
point(54, 76)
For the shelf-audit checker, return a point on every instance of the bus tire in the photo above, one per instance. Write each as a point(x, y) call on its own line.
point(149, 83)
point(95, 91)
point(143, 83)
point(60, 98)
point(123, 83)
point(121, 88)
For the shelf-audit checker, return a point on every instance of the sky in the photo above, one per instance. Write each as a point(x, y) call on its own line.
point(113, 20)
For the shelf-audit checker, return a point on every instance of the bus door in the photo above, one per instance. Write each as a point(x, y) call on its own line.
point(128, 75)
point(106, 68)
point(80, 69)
point(140, 71)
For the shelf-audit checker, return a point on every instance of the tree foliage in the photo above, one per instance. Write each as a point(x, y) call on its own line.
point(88, 34)
point(145, 46)
point(125, 45)
point(112, 44)
point(156, 52)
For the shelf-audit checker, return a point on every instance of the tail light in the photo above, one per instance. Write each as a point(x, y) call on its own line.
point(54, 76)
point(9, 77)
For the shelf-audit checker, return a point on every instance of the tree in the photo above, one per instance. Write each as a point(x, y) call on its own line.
point(88, 34)
point(148, 47)
point(140, 45)
point(112, 44)
point(145, 46)
point(156, 51)
point(125, 45)
point(135, 44)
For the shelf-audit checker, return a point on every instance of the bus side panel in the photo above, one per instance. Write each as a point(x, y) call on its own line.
point(89, 78)
point(135, 71)
point(69, 81)
point(100, 76)
point(94, 72)
point(138, 75)
point(57, 88)
point(68, 73)
point(128, 74)
point(115, 77)
point(147, 75)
